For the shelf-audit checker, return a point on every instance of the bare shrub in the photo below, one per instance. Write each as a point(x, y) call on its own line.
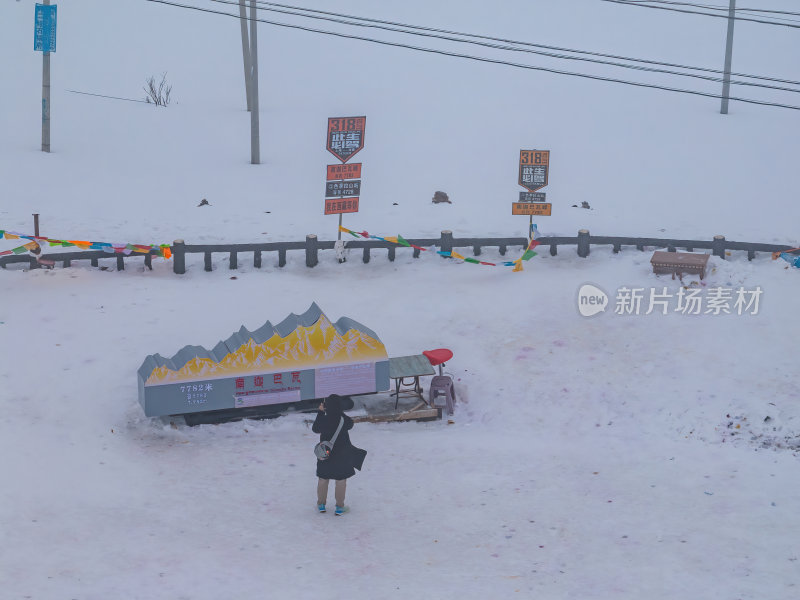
point(157, 93)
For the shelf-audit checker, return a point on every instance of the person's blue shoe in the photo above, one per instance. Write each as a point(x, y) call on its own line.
point(340, 510)
point(321, 507)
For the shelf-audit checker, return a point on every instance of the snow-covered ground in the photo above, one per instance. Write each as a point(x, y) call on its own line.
point(618, 456)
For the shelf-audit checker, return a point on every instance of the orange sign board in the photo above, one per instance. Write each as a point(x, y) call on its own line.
point(335, 206)
point(344, 171)
point(533, 168)
point(531, 208)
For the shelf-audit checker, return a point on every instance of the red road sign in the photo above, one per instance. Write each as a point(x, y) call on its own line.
point(335, 206)
point(351, 171)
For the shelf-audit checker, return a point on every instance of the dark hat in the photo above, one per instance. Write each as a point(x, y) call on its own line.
point(336, 403)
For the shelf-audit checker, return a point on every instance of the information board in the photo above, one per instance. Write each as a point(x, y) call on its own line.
point(337, 206)
point(351, 171)
point(304, 357)
point(532, 197)
point(531, 208)
point(339, 189)
point(44, 28)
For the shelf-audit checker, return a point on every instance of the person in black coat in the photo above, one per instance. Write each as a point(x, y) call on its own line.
point(344, 457)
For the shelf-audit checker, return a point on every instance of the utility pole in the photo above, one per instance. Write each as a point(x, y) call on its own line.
point(245, 50)
point(255, 144)
point(726, 78)
point(46, 95)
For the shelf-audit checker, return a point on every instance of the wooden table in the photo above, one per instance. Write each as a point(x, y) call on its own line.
point(403, 367)
point(679, 263)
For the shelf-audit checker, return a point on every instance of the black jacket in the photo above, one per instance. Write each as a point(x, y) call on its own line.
point(340, 463)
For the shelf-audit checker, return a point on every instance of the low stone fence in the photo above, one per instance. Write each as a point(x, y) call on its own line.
point(445, 243)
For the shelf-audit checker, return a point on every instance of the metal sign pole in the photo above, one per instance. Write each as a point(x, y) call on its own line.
point(245, 52)
point(726, 78)
point(255, 143)
point(46, 97)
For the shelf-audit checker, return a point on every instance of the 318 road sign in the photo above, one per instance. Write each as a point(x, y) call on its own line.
point(533, 168)
point(345, 136)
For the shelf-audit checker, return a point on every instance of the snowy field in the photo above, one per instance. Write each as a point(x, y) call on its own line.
point(618, 456)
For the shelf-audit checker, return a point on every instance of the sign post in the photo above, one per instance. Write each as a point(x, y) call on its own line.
point(343, 182)
point(44, 41)
point(534, 167)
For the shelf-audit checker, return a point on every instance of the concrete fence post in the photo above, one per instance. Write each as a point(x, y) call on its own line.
point(311, 250)
point(179, 257)
point(447, 241)
point(583, 243)
point(718, 246)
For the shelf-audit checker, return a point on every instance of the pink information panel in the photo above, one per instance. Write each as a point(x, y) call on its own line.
point(264, 399)
point(357, 378)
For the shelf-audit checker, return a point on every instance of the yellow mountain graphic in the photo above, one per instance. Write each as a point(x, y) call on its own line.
point(306, 347)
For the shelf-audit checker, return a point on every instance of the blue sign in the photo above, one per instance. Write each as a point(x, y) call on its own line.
point(44, 28)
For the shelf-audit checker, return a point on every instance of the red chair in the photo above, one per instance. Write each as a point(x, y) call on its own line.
point(441, 385)
point(438, 357)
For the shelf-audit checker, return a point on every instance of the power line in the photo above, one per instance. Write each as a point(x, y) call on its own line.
point(475, 58)
point(111, 97)
point(745, 11)
point(693, 12)
point(516, 42)
point(504, 47)
point(725, 8)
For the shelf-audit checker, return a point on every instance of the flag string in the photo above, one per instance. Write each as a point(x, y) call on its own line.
point(401, 241)
point(35, 242)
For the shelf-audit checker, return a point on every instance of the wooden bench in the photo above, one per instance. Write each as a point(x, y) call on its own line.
point(679, 263)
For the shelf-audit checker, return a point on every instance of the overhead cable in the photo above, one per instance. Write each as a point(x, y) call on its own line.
point(475, 58)
point(516, 49)
point(718, 7)
point(516, 42)
point(694, 12)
